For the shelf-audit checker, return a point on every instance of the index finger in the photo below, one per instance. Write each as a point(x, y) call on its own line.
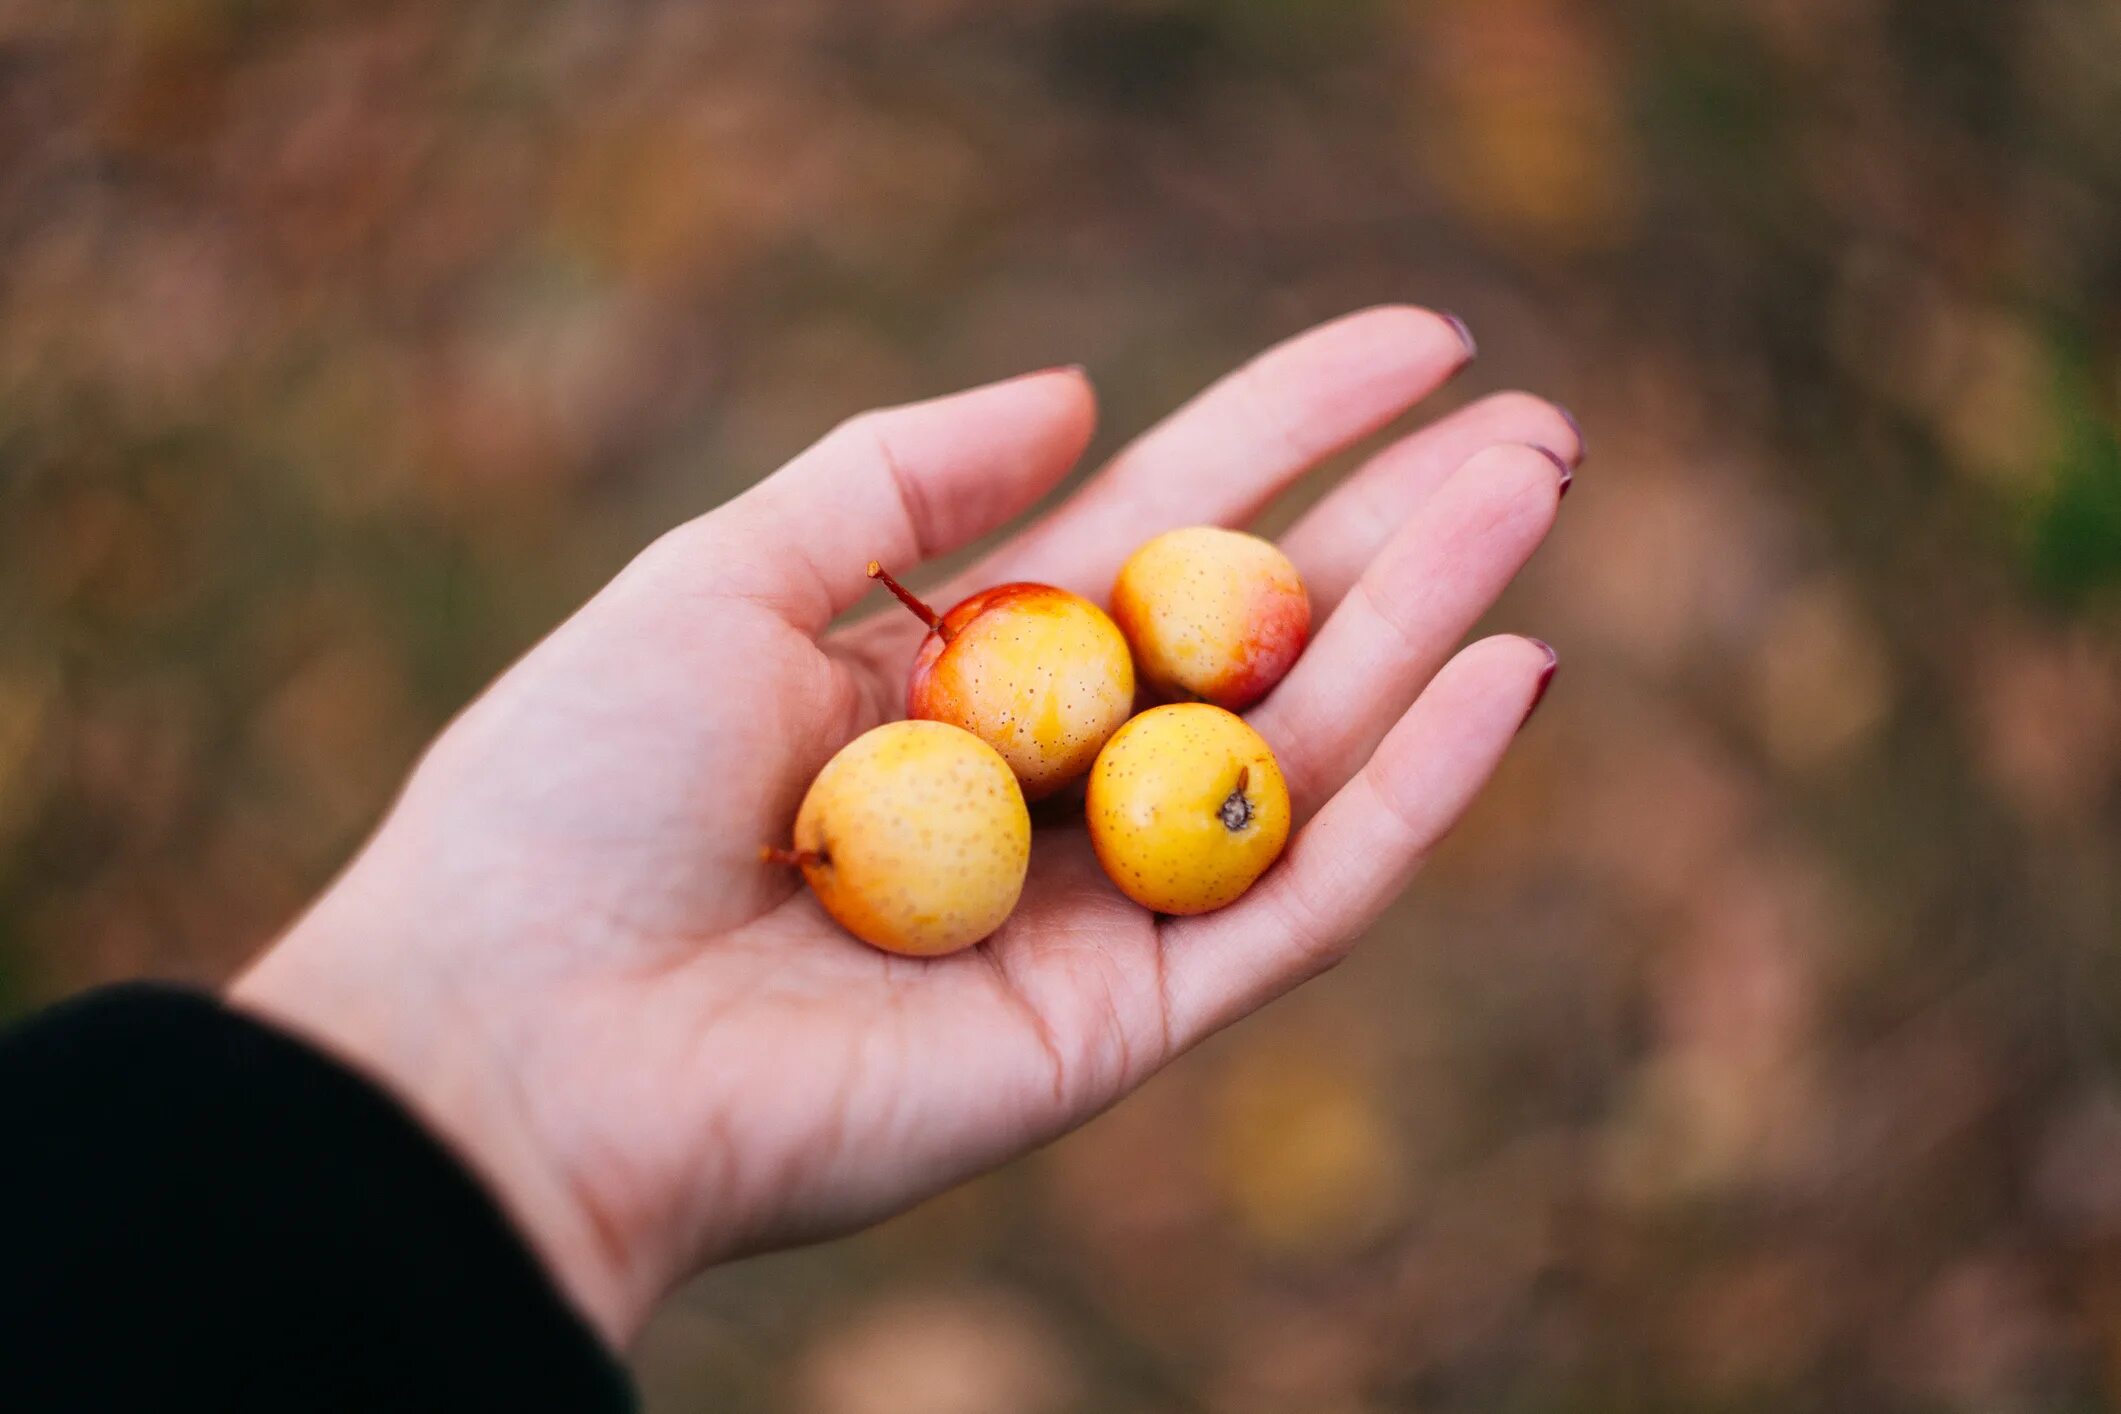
point(1225, 454)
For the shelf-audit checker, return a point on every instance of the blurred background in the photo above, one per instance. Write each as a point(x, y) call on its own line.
point(1753, 1045)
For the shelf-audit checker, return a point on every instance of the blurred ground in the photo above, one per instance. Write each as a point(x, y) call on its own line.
point(1752, 1047)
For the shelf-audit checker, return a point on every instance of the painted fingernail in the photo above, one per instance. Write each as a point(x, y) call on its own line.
point(1465, 335)
point(1568, 474)
point(1546, 679)
point(1583, 448)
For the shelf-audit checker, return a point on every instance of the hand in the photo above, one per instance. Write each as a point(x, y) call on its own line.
point(562, 950)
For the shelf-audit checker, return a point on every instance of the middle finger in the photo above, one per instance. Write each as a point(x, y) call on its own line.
point(1423, 593)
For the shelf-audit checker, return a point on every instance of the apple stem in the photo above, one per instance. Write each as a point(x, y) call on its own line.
point(796, 858)
point(911, 600)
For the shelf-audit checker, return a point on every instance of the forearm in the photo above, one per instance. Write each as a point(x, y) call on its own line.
point(210, 1212)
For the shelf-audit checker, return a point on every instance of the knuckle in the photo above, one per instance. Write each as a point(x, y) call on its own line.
point(1399, 636)
point(1317, 941)
point(1410, 833)
point(1253, 391)
point(857, 431)
point(678, 550)
point(861, 426)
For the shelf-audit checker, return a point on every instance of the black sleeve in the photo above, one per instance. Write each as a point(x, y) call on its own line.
point(199, 1212)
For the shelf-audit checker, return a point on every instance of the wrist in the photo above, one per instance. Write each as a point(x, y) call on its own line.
point(437, 1059)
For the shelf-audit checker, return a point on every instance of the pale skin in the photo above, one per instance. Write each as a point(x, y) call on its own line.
point(562, 950)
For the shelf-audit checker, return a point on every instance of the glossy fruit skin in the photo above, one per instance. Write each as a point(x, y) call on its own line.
point(1212, 615)
point(1041, 675)
point(921, 836)
point(1166, 818)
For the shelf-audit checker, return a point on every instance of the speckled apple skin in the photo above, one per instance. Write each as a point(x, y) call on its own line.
point(922, 836)
point(1041, 675)
point(1156, 808)
point(1213, 615)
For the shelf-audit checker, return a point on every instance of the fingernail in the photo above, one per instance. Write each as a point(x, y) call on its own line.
point(1465, 335)
point(1567, 473)
point(1583, 448)
point(1546, 679)
point(1075, 368)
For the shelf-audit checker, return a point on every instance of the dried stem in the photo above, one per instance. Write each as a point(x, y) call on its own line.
point(911, 600)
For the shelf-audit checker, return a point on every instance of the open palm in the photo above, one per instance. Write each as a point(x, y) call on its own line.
point(561, 947)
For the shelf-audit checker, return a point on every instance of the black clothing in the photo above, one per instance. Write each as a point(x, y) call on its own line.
point(205, 1213)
